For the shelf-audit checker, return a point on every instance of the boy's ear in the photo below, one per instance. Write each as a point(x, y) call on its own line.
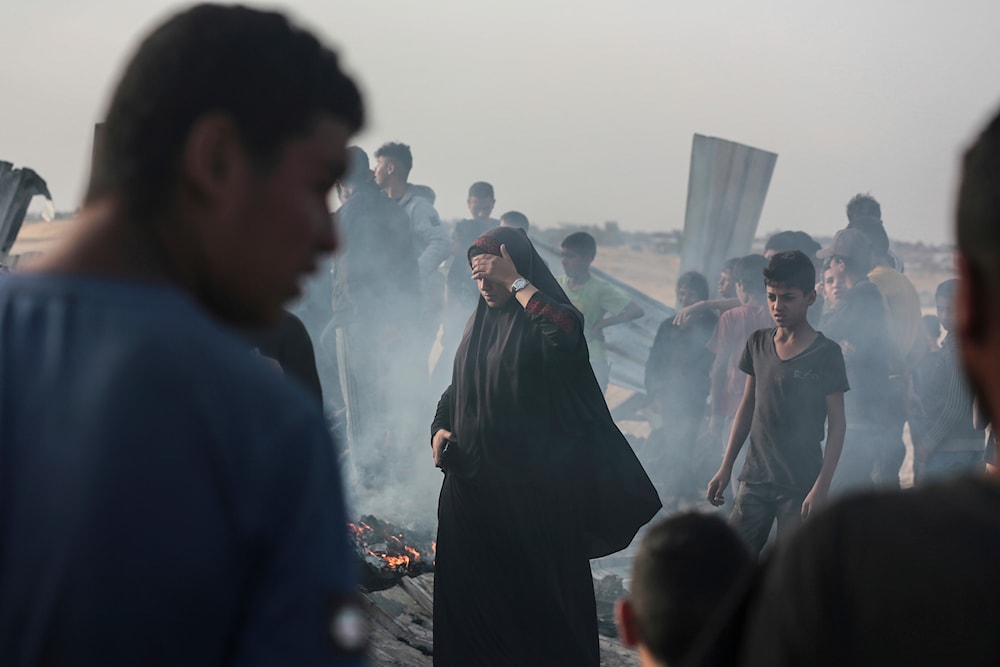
point(811, 297)
point(628, 633)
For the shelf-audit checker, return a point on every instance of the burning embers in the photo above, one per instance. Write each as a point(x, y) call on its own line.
point(387, 554)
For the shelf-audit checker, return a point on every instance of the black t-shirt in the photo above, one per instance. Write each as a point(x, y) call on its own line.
point(894, 579)
point(790, 409)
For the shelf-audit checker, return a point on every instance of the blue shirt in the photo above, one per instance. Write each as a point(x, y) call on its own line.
point(165, 497)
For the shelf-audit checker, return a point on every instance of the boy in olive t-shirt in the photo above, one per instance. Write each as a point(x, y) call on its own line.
point(795, 383)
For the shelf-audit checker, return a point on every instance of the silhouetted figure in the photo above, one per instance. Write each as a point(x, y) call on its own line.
point(686, 568)
point(856, 320)
point(376, 301)
point(677, 386)
point(168, 498)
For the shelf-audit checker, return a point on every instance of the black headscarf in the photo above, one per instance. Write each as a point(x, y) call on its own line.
point(525, 408)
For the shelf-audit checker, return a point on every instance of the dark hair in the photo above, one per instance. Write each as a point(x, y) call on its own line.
point(793, 241)
point(581, 242)
point(875, 232)
point(398, 153)
point(516, 219)
point(793, 269)
point(481, 190)
point(694, 282)
point(271, 79)
point(946, 290)
point(686, 567)
point(863, 206)
point(729, 265)
point(978, 216)
point(358, 167)
point(749, 272)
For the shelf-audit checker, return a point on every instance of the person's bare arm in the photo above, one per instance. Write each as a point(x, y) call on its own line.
point(741, 429)
point(685, 313)
point(631, 311)
point(836, 429)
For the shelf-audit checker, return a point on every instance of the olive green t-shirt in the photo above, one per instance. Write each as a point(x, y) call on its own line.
point(596, 299)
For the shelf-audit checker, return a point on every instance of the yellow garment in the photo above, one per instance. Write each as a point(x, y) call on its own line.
point(595, 299)
point(902, 304)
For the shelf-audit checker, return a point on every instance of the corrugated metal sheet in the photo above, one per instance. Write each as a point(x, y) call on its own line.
point(727, 186)
point(17, 188)
point(628, 343)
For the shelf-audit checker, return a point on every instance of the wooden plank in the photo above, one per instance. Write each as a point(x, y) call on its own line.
point(418, 595)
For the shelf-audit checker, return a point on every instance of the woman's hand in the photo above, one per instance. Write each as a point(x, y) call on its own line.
point(438, 442)
point(498, 270)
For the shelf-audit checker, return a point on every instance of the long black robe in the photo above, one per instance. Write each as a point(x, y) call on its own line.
point(538, 481)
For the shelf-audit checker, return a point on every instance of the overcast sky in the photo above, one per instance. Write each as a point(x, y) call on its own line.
point(583, 111)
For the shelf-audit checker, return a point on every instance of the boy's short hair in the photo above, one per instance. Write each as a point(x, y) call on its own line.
point(793, 269)
point(793, 241)
point(686, 567)
point(516, 219)
point(749, 272)
point(270, 78)
point(581, 242)
point(875, 232)
point(481, 190)
point(864, 206)
point(694, 282)
point(727, 267)
point(398, 153)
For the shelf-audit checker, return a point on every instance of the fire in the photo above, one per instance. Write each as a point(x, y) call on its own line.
point(383, 546)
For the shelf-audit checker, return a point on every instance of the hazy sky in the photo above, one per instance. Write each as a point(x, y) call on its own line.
point(583, 111)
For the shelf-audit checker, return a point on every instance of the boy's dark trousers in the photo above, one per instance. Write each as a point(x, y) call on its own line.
point(758, 505)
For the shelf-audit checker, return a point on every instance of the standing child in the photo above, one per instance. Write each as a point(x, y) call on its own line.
point(600, 302)
point(795, 382)
point(727, 343)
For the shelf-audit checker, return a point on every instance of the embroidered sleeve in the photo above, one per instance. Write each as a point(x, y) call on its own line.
point(540, 308)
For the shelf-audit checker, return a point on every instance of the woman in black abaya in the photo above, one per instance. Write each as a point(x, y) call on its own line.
point(538, 479)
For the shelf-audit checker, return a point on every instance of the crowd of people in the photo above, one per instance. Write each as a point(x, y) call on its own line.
point(167, 497)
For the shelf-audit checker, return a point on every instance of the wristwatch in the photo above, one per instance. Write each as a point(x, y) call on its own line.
point(519, 285)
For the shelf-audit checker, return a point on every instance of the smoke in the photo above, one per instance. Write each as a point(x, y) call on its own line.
point(374, 365)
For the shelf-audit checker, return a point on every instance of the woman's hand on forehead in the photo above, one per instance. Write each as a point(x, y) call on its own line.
point(496, 269)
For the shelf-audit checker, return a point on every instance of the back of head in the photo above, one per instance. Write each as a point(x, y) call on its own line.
point(851, 247)
point(269, 78)
point(874, 231)
point(515, 219)
point(694, 283)
point(864, 207)
point(749, 272)
point(398, 153)
point(946, 290)
point(358, 167)
point(793, 241)
point(684, 570)
point(481, 190)
point(792, 269)
point(582, 243)
point(978, 219)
